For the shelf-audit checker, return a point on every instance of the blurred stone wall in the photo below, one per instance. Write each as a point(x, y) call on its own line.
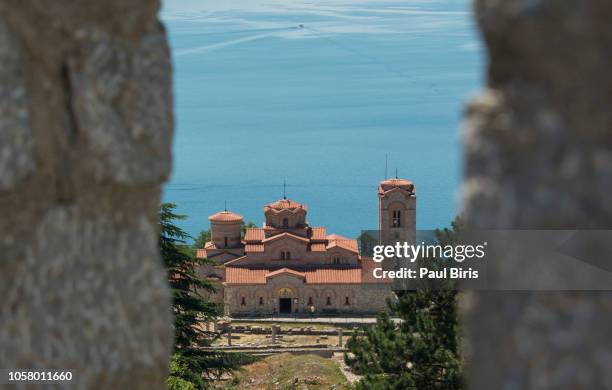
point(538, 144)
point(85, 137)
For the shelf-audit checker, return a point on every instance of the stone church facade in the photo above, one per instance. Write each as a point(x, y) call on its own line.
point(289, 267)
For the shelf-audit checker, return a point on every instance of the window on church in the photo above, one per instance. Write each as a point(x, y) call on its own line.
point(397, 218)
point(243, 302)
point(328, 303)
point(288, 255)
point(347, 301)
point(260, 301)
point(225, 241)
point(285, 222)
point(283, 255)
point(336, 259)
point(309, 301)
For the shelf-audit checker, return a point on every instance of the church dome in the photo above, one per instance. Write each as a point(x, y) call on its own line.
point(285, 204)
point(225, 216)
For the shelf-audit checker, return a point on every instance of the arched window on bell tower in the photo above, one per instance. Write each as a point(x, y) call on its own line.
point(285, 222)
point(396, 220)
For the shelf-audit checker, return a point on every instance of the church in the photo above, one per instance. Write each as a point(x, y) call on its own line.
point(289, 267)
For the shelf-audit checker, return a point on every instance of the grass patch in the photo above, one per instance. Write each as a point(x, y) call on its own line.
point(289, 372)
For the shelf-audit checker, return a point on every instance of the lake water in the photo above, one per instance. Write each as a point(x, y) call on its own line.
point(317, 94)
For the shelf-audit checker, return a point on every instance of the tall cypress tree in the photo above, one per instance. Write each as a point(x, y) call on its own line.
point(421, 350)
point(191, 367)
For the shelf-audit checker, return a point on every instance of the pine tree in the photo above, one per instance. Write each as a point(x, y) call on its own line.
point(191, 367)
point(421, 350)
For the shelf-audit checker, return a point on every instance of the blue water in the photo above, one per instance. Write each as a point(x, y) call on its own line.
point(259, 100)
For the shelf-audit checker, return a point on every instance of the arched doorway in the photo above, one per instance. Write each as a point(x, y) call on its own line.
point(285, 295)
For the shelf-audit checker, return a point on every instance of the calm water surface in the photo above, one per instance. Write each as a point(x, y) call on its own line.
point(316, 94)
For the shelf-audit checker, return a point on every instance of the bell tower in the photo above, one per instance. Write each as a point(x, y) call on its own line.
point(396, 211)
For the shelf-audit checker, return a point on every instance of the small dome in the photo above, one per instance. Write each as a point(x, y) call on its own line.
point(389, 184)
point(225, 216)
point(285, 204)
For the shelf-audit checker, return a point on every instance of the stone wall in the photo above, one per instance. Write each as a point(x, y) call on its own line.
point(363, 299)
point(85, 137)
point(538, 144)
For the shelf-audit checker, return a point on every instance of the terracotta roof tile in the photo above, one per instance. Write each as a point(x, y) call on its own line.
point(342, 242)
point(201, 253)
point(285, 204)
point(334, 276)
point(234, 275)
point(285, 271)
point(254, 234)
point(367, 267)
point(286, 235)
point(225, 216)
point(254, 248)
point(318, 247)
point(237, 275)
point(389, 184)
point(318, 233)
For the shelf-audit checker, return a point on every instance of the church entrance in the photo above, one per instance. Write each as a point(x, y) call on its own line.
point(284, 305)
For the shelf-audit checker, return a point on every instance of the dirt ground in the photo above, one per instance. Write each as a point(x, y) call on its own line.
point(289, 372)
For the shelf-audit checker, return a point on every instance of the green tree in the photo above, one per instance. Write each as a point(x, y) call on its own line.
point(245, 226)
point(421, 350)
point(366, 242)
point(202, 239)
point(191, 366)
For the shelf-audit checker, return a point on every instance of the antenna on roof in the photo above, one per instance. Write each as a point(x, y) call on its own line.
point(386, 164)
point(396, 173)
point(284, 189)
point(225, 206)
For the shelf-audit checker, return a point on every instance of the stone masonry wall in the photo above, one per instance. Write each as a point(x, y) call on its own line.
point(85, 137)
point(538, 144)
point(363, 298)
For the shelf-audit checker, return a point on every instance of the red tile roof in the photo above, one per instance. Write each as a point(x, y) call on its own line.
point(342, 242)
point(254, 234)
point(389, 184)
point(334, 276)
point(253, 248)
point(318, 247)
point(225, 216)
point(318, 233)
point(238, 275)
point(201, 253)
point(285, 271)
point(286, 235)
point(234, 275)
point(367, 267)
point(285, 204)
